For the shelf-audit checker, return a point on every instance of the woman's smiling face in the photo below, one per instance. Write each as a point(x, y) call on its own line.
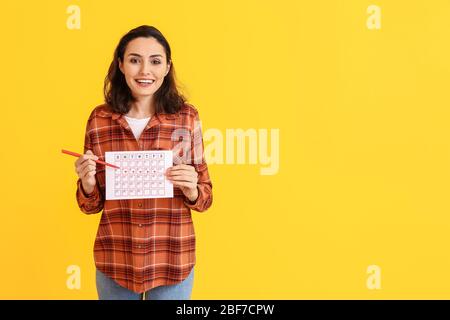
point(144, 66)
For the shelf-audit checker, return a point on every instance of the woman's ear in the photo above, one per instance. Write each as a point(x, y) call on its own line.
point(120, 65)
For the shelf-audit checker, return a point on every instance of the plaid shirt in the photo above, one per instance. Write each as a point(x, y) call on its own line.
point(145, 243)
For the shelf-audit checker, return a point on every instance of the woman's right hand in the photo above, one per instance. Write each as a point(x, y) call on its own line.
point(85, 166)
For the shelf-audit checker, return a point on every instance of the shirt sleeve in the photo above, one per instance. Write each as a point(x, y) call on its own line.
point(93, 202)
point(204, 185)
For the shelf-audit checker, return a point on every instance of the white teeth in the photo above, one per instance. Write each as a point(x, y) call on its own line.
point(145, 81)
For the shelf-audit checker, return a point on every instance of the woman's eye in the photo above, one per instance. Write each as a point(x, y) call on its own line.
point(154, 61)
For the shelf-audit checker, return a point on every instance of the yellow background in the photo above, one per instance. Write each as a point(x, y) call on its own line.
point(364, 143)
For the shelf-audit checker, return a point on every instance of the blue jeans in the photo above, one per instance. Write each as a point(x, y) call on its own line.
point(108, 289)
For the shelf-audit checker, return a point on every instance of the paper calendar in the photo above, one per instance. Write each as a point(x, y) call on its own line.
point(141, 175)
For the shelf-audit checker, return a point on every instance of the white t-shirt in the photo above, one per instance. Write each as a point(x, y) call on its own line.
point(137, 125)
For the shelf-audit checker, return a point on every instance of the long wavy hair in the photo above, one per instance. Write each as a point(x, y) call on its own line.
point(116, 91)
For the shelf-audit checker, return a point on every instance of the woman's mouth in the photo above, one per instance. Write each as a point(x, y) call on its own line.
point(144, 83)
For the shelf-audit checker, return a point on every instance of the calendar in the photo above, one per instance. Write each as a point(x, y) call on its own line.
point(141, 175)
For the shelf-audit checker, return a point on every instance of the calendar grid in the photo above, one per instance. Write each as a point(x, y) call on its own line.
point(141, 175)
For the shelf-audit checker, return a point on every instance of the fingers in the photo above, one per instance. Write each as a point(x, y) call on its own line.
point(86, 163)
point(85, 167)
point(88, 172)
point(181, 173)
point(183, 176)
point(183, 181)
point(85, 157)
point(182, 169)
point(184, 184)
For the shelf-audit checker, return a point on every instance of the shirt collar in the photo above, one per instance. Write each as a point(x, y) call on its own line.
point(162, 116)
point(159, 118)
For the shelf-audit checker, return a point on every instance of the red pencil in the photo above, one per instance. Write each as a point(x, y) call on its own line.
point(98, 161)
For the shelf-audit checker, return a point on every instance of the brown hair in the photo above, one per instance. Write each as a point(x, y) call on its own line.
point(118, 94)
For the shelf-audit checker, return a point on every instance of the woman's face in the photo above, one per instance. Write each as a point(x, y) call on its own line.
point(144, 59)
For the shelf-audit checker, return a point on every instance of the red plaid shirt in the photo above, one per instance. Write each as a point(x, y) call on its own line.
point(145, 243)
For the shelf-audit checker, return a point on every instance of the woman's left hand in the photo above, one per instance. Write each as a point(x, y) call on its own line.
point(185, 177)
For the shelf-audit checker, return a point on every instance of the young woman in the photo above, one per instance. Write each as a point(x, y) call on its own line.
point(144, 248)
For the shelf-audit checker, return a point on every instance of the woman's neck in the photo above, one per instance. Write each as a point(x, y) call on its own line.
point(141, 109)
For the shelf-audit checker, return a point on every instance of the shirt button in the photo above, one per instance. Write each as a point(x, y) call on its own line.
point(139, 204)
point(139, 246)
point(140, 224)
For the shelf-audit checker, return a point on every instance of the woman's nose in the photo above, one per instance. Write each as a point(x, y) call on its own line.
point(145, 68)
